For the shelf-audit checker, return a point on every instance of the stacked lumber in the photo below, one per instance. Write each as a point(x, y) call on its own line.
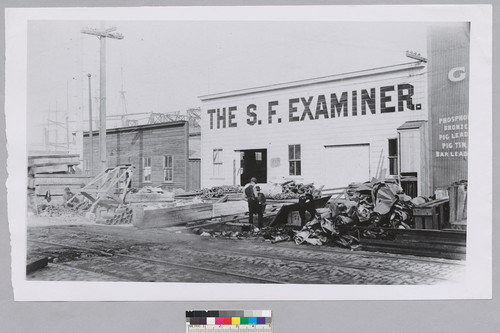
point(53, 173)
point(56, 183)
point(458, 202)
point(427, 243)
point(152, 217)
point(48, 164)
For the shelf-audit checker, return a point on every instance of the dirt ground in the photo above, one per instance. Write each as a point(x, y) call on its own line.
point(81, 250)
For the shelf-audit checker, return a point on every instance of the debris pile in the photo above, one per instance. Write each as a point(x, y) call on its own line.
point(120, 215)
point(378, 204)
point(219, 191)
point(292, 190)
point(322, 230)
point(271, 234)
point(375, 205)
point(55, 211)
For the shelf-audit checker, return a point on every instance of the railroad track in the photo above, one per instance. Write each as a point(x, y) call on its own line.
point(218, 254)
point(162, 262)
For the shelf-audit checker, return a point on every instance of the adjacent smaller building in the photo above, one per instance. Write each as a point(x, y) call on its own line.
point(159, 153)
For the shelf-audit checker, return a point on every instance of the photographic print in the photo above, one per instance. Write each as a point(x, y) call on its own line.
point(264, 154)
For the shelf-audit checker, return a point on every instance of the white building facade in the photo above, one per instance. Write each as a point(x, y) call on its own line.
point(329, 131)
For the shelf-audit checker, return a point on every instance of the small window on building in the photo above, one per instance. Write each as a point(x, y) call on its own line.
point(217, 161)
point(393, 157)
point(168, 168)
point(258, 157)
point(294, 160)
point(146, 169)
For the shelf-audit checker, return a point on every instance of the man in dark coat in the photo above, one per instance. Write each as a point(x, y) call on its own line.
point(306, 203)
point(249, 193)
point(261, 206)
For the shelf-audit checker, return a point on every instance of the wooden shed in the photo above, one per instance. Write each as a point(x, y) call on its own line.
point(159, 153)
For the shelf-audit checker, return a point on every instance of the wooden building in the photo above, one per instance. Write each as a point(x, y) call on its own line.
point(329, 131)
point(159, 153)
point(407, 122)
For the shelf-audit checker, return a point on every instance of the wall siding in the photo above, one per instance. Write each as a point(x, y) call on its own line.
point(448, 48)
point(129, 147)
point(312, 134)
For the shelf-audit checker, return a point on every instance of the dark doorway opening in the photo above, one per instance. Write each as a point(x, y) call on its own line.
point(253, 164)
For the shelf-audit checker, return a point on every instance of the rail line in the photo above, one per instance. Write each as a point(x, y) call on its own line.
point(214, 271)
point(342, 263)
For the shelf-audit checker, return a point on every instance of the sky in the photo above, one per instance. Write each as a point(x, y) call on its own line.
point(163, 66)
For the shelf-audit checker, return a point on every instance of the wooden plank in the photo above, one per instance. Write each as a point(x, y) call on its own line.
point(34, 157)
point(282, 215)
point(425, 211)
point(52, 160)
point(148, 197)
point(457, 252)
point(464, 217)
point(36, 265)
point(442, 220)
point(453, 203)
point(230, 207)
point(416, 235)
point(56, 179)
point(435, 219)
point(419, 222)
point(50, 169)
point(165, 217)
point(55, 189)
point(428, 222)
point(461, 194)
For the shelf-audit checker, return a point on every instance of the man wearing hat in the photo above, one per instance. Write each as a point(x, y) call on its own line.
point(260, 206)
point(251, 197)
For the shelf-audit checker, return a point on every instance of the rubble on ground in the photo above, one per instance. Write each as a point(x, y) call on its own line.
point(377, 206)
point(288, 190)
point(219, 191)
point(55, 211)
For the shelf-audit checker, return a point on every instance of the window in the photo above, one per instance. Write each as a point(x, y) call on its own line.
point(217, 161)
point(146, 169)
point(393, 157)
point(168, 168)
point(258, 157)
point(294, 160)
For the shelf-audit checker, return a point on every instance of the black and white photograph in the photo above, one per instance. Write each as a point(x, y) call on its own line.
point(209, 153)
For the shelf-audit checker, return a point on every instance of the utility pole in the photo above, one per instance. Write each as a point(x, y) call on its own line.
point(102, 34)
point(91, 133)
point(67, 115)
point(123, 104)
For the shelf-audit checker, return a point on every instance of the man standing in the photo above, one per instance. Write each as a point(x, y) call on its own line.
point(306, 203)
point(251, 198)
point(261, 206)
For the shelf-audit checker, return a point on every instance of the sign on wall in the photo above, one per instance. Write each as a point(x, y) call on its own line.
point(350, 103)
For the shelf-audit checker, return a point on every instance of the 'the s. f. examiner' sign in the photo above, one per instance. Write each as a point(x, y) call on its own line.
point(386, 99)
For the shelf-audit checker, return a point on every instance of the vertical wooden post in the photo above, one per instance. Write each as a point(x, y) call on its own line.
point(102, 105)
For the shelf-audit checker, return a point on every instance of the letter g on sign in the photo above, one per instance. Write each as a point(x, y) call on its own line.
point(456, 74)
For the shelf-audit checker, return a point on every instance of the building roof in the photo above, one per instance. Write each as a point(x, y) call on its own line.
point(141, 127)
point(412, 124)
point(324, 79)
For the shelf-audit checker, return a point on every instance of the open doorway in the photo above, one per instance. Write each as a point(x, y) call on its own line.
point(253, 163)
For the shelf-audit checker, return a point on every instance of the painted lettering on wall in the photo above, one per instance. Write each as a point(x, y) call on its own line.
point(453, 136)
point(386, 99)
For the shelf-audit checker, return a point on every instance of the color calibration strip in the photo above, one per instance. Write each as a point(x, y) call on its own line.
point(251, 321)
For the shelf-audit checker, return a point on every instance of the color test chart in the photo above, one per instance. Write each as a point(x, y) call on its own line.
point(229, 321)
